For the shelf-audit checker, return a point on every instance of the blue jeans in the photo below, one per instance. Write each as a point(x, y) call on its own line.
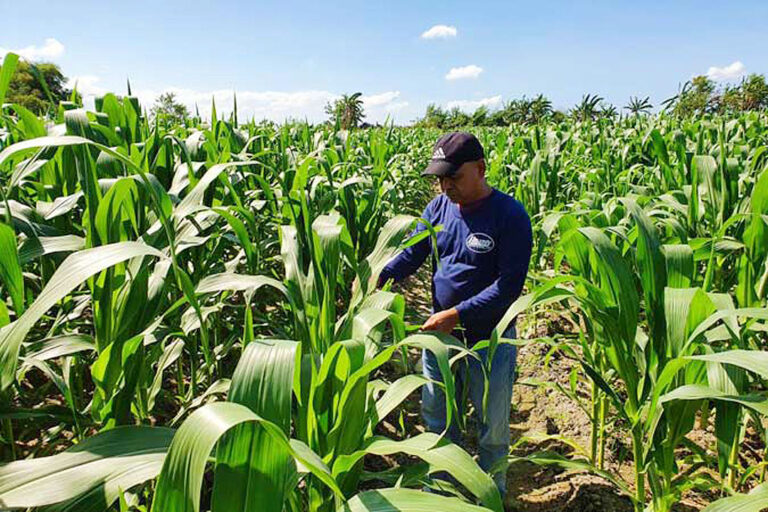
point(493, 438)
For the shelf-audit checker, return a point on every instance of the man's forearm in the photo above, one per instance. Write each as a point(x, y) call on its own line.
point(406, 263)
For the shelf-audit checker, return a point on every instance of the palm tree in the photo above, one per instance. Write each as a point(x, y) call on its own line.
point(638, 106)
point(541, 107)
point(523, 109)
point(587, 109)
point(682, 90)
point(608, 111)
point(347, 111)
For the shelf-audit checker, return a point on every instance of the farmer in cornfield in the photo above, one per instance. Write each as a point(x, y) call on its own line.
point(484, 250)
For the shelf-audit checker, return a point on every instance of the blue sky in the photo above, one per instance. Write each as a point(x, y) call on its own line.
point(287, 59)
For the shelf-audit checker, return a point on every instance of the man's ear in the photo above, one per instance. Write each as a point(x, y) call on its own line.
point(481, 167)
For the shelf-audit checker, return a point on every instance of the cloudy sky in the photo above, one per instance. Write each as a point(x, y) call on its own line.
point(287, 59)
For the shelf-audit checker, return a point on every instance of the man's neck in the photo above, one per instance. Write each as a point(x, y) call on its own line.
point(477, 199)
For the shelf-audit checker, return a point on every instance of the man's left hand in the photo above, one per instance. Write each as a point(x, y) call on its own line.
point(442, 321)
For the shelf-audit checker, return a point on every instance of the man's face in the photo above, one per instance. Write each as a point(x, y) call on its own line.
point(463, 186)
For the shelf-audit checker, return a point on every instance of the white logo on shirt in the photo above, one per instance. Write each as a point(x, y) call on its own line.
point(480, 243)
point(439, 154)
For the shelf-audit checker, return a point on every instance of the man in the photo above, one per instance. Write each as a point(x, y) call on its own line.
point(484, 250)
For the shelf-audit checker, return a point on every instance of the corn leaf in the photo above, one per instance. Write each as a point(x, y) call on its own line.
point(89, 476)
point(405, 500)
point(252, 471)
point(394, 395)
point(441, 454)
point(237, 282)
point(751, 360)
point(58, 346)
point(180, 480)
point(72, 273)
point(6, 72)
point(35, 247)
point(755, 501)
point(10, 268)
point(757, 403)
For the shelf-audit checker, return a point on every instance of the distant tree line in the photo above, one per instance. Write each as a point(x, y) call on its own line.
point(40, 87)
point(522, 110)
point(697, 96)
point(701, 96)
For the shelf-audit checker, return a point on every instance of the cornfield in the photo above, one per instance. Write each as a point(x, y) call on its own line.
point(190, 318)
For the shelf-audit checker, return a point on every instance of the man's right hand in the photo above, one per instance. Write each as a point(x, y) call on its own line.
point(442, 321)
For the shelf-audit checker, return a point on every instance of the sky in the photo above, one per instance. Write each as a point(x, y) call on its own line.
point(287, 59)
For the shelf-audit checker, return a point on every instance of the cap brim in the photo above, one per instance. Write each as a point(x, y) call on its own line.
point(440, 168)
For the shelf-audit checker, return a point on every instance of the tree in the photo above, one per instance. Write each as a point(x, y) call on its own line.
point(519, 110)
point(697, 98)
point(750, 94)
point(480, 116)
point(457, 118)
point(587, 109)
point(541, 108)
point(637, 106)
point(26, 87)
point(754, 92)
point(169, 109)
point(608, 111)
point(497, 118)
point(558, 116)
point(670, 103)
point(347, 111)
point(516, 111)
point(434, 117)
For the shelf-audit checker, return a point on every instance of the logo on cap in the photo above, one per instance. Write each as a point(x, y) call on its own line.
point(480, 243)
point(439, 154)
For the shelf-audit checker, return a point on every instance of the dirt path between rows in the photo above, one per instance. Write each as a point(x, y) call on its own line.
point(541, 411)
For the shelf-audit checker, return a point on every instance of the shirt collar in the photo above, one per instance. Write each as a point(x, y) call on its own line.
point(476, 205)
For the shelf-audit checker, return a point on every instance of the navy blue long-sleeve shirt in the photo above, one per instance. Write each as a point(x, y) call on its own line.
point(484, 252)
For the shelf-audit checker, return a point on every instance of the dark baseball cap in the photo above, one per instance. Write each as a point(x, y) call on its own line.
point(452, 151)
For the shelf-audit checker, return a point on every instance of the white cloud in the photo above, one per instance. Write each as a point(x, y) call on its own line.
point(397, 106)
point(377, 100)
point(86, 85)
point(470, 71)
point(729, 72)
point(50, 50)
point(472, 105)
point(273, 105)
point(440, 31)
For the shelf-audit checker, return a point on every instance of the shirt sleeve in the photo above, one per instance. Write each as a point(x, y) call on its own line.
point(515, 247)
point(409, 261)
